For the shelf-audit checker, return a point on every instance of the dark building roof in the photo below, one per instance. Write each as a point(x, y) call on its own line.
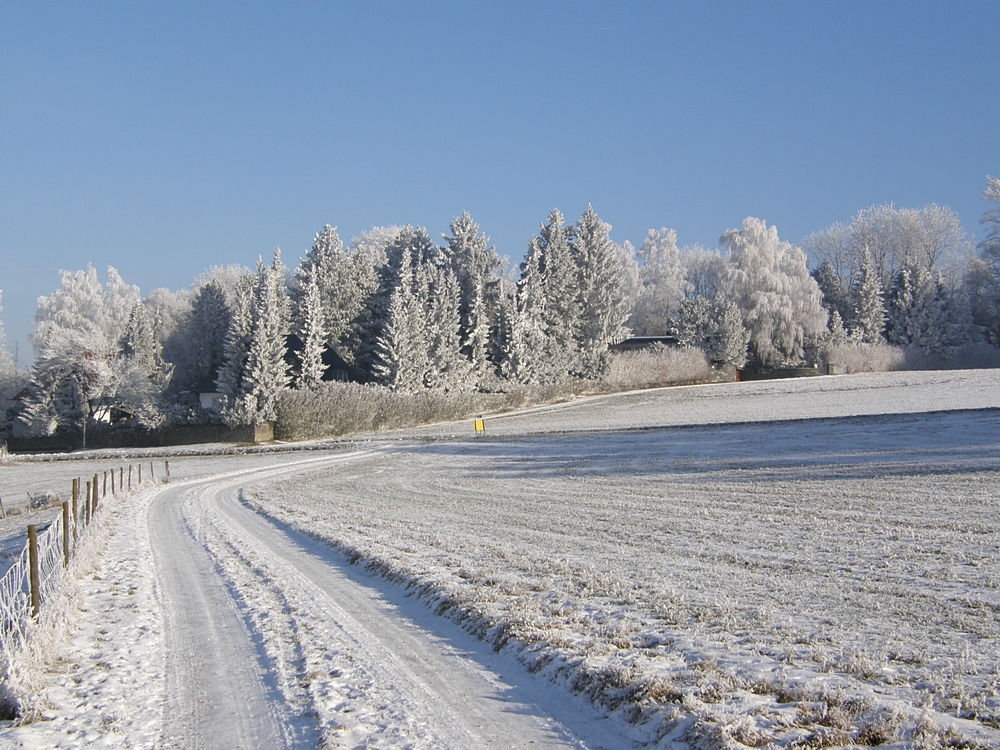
point(635, 343)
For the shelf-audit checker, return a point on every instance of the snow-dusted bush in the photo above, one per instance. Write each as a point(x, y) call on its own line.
point(657, 366)
point(861, 357)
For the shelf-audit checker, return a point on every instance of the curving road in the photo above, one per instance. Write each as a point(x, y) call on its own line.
point(273, 641)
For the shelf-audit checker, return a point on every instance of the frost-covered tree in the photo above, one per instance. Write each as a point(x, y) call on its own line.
point(401, 348)
point(346, 281)
point(768, 280)
point(835, 295)
point(631, 280)
point(989, 248)
point(236, 348)
point(410, 249)
point(868, 320)
point(925, 314)
point(832, 247)
point(449, 368)
point(77, 333)
point(197, 345)
point(529, 336)
point(545, 332)
point(600, 304)
point(715, 328)
point(931, 237)
point(311, 332)
point(663, 283)
point(266, 370)
point(502, 332)
point(559, 285)
point(704, 271)
point(476, 267)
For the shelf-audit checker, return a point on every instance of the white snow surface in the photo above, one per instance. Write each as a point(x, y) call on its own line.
point(806, 563)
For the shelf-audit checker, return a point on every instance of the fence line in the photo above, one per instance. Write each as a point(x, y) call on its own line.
point(55, 548)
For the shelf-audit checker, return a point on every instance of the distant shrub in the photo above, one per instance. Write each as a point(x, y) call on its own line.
point(658, 366)
point(854, 357)
point(335, 409)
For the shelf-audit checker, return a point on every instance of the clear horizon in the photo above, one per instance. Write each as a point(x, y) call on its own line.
point(162, 140)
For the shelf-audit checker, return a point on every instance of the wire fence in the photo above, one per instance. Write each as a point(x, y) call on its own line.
point(30, 581)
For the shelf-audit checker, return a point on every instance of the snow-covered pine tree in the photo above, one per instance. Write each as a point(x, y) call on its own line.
point(663, 283)
point(502, 332)
point(311, 332)
point(730, 337)
point(266, 370)
point(529, 347)
point(778, 299)
point(141, 344)
point(868, 321)
point(232, 374)
point(692, 322)
point(600, 302)
point(411, 247)
point(835, 297)
point(401, 347)
point(476, 267)
point(203, 331)
point(449, 369)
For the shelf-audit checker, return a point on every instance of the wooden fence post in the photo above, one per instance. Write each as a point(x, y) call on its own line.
point(112, 481)
point(76, 516)
point(121, 478)
point(86, 505)
point(96, 494)
point(140, 475)
point(33, 580)
point(65, 507)
point(130, 477)
point(152, 476)
point(105, 485)
point(166, 470)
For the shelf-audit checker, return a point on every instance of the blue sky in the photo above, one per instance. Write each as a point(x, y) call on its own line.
point(162, 138)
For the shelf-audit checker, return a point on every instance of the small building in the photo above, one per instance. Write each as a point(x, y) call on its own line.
point(335, 368)
point(208, 392)
point(637, 343)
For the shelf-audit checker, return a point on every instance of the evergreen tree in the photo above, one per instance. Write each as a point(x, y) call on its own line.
point(311, 332)
point(141, 344)
point(730, 337)
point(203, 336)
point(401, 347)
point(266, 371)
point(232, 374)
point(476, 268)
point(410, 248)
point(529, 345)
point(869, 309)
point(835, 297)
point(600, 304)
point(449, 368)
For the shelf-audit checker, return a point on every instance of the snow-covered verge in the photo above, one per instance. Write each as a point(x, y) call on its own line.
point(814, 583)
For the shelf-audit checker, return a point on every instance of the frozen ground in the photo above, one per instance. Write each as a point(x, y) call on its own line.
point(700, 572)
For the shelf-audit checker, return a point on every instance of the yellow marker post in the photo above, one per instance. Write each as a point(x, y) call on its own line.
point(480, 426)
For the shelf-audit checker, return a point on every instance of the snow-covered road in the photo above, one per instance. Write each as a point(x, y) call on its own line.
point(259, 637)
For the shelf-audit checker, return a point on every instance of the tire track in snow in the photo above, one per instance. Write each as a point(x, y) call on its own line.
point(369, 673)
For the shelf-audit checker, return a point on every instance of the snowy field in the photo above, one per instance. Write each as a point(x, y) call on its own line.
point(805, 563)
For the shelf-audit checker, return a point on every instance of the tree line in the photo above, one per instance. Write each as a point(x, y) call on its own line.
point(409, 314)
